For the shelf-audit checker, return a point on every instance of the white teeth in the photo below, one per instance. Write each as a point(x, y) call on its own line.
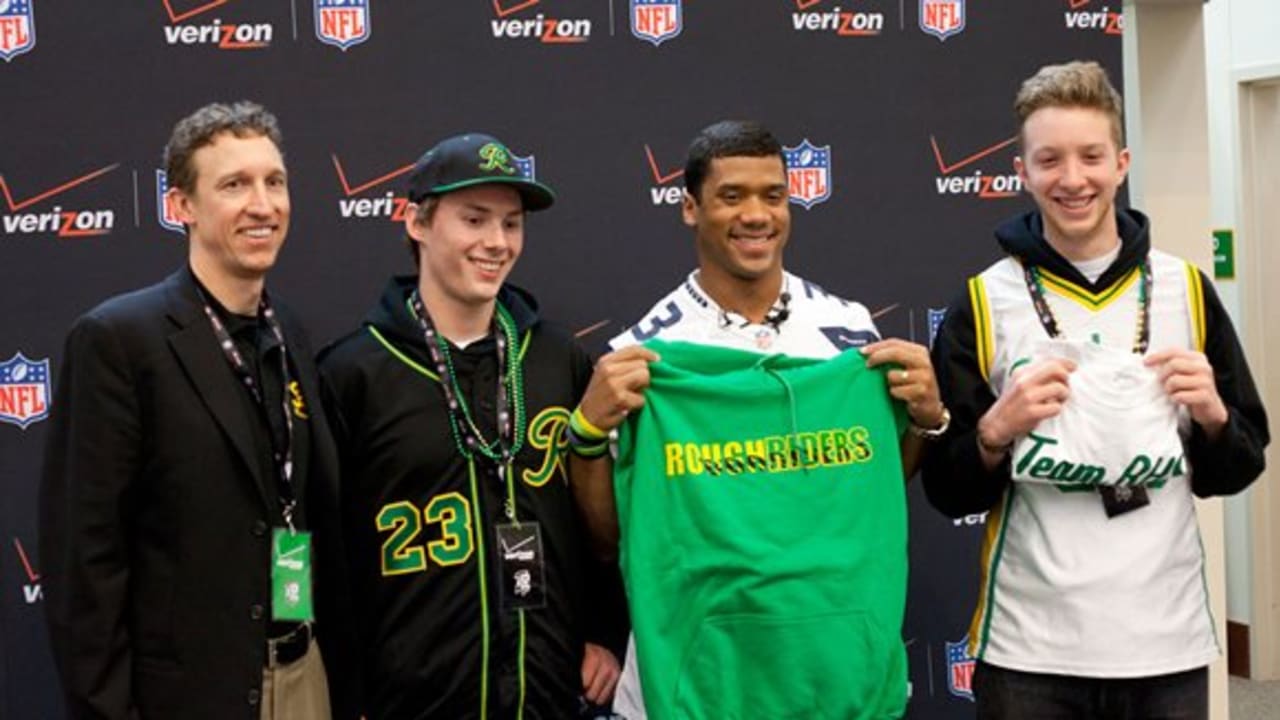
point(258, 232)
point(490, 265)
point(1074, 203)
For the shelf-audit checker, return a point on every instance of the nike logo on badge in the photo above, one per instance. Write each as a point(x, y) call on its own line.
point(291, 553)
point(512, 548)
point(513, 552)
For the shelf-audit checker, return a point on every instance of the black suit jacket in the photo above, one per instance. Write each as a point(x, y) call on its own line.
point(156, 516)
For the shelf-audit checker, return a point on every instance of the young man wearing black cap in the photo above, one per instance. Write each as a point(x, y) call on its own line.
point(449, 406)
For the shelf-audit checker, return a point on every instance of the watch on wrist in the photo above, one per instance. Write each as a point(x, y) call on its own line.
point(933, 433)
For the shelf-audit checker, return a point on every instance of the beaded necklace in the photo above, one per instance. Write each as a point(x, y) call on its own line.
point(1142, 333)
point(466, 434)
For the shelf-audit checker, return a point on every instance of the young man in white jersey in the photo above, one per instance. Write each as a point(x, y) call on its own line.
point(736, 201)
point(1093, 603)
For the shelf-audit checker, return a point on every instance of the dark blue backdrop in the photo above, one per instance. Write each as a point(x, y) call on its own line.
point(911, 96)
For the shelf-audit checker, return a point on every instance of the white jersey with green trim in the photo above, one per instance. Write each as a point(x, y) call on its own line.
point(1067, 590)
point(817, 325)
point(1118, 427)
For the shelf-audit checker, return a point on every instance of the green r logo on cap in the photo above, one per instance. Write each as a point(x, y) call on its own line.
point(495, 156)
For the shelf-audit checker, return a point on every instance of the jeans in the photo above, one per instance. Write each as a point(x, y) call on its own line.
point(1003, 694)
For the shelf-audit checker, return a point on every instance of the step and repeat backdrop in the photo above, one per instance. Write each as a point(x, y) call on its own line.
point(896, 115)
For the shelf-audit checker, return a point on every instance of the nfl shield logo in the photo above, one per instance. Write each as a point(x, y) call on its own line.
point(942, 18)
point(960, 669)
point(342, 23)
point(935, 321)
point(656, 20)
point(808, 173)
point(524, 166)
point(24, 390)
point(17, 28)
point(164, 210)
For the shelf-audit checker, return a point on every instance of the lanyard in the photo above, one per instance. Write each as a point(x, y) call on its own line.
point(1142, 333)
point(466, 434)
point(283, 456)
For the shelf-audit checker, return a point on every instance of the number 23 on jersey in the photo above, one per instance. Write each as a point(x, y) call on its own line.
point(401, 553)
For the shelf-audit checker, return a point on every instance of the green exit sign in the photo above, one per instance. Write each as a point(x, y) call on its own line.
point(1224, 255)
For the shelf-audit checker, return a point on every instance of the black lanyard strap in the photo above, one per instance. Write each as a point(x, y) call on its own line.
point(510, 390)
point(1142, 333)
point(283, 457)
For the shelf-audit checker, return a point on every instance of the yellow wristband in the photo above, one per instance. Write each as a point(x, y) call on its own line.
point(584, 428)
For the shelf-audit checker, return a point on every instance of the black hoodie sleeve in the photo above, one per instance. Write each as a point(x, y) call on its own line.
point(607, 622)
point(955, 480)
point(1230, 463)
point(343, 657)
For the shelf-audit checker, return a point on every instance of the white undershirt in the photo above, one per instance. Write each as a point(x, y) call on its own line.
point(1093, 269)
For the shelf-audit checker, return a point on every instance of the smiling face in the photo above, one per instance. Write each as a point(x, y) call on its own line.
point(237, 213)
point(740, 218)
point(468, 247)
point(1073, 167)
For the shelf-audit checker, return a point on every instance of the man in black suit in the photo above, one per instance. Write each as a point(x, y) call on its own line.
point(188, 509)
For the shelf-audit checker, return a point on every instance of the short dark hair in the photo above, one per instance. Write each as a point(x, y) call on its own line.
point(423, 214)
point(727, 138)
point(242, 119)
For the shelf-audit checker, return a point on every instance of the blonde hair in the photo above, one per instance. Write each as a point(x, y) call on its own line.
point(1078, 84)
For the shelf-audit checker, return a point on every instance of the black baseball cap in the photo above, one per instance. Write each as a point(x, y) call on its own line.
point(464, 161)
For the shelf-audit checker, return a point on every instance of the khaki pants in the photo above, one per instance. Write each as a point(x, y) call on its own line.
point(297, 691)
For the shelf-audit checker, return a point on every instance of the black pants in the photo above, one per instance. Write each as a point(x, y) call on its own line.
point(1003, 694)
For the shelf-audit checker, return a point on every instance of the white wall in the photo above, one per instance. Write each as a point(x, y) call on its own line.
point(1255, 26)
point(1242, 37)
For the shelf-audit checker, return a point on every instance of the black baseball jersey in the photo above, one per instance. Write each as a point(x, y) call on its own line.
point(440, 632)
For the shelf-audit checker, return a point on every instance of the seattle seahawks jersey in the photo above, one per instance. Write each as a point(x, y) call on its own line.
point(807, 321)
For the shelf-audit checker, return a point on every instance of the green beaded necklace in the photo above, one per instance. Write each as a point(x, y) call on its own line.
point(466, 434)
